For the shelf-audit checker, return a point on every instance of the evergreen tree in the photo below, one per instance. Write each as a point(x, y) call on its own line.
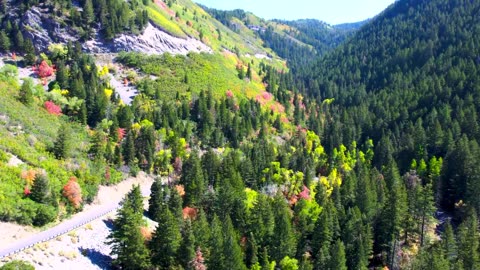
point(40, 191)
point(62, 146)
point(126, 238)
point(468, 242)
point(156, 201)
point(26, 92)
point(449, 243)
point(283, 242)
point(30, 56)
point(201, 231)
point(186, 252)
point(231, 248)
point(216, 260)
point(193, 181)
point(166, 240)
point(5, 42)
point(175, 206)
point(337, 257)
point(129, 149)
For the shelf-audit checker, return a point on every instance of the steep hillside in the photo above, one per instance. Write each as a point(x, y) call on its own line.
point(410, 80)
point(299, 42)
point(112, 26)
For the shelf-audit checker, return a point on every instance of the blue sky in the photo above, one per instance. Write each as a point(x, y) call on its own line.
point(330, 11)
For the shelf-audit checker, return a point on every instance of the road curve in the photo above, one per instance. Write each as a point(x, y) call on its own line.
point(64, 227)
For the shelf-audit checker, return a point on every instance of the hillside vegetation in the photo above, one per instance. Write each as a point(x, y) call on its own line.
point(359, 152)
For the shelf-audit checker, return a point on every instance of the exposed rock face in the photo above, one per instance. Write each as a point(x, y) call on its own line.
point(152, 40)
point(44, 30)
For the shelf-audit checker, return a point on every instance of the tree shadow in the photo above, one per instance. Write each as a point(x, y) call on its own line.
point(109, 223)
point(101, 260)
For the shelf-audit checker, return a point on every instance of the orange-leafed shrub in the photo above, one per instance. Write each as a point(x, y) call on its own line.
point(190, 213)
point(73, 192)
point(146, 233)
point(29, 176)
point(180, 189)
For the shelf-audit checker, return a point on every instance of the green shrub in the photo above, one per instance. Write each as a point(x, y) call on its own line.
point(45, 214)
point(17, 265)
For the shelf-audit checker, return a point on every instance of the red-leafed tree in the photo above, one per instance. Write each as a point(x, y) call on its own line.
point(73, 192)
point(52, 108)
point(44, 70)
point(198, 263)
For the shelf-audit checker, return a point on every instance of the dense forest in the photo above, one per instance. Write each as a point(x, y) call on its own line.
point(363, 155)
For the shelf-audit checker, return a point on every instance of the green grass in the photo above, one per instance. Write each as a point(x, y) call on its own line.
point(161, 19)
point(215, 72)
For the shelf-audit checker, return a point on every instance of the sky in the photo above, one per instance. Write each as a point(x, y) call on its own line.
point(330, 11)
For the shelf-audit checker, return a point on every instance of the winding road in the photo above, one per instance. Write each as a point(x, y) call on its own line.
point(65, 227)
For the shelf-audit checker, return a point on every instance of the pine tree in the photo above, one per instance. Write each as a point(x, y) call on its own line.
point(231, 247)
point(26, 92)
point(468, 242)
point(166, 240)
point(216, 258)
point(357, 239)
point(5, 42)
point(283, 242)
point(337, 257)
point(449, 243)
point(62, 145)
point(193, 181)
point(156, 201)
point(40, 191)
point(201, 231)
point(29, 52)
point(88, 15)
point(126, 239)
point(251, 251)
point(175, 205)
point(186, 252)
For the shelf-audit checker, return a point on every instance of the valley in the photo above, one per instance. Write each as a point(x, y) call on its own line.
point(257, 144)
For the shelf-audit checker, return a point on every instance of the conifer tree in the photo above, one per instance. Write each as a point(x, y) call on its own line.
point(126, 239)
point(30, 56)
point(26, 92)
point(468, 242)
point(166, 240)
point(40, 189)
point(337, 257)
point(216, 258)
point(231, 248)
point(283, 244)
point(449, 243)
point(156, 201)
point(175, 205)
point(62, 146)
point(193, 181)
point(201, 231)
point(186, 252)
point(5, 42)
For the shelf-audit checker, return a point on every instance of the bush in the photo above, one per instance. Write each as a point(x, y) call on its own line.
point(17, 265)
point(45, 215)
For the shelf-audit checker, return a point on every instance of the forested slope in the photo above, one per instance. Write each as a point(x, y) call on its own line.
point(410, 81)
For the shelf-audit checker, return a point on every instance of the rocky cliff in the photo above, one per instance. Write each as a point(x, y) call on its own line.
point(39, 26)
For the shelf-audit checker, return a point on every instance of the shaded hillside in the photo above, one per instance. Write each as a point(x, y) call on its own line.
point(299, 41)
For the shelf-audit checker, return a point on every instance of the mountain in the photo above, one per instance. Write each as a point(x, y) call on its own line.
point(359, 150)
point(299, 42)
point(409, 80)
point(113, 26)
